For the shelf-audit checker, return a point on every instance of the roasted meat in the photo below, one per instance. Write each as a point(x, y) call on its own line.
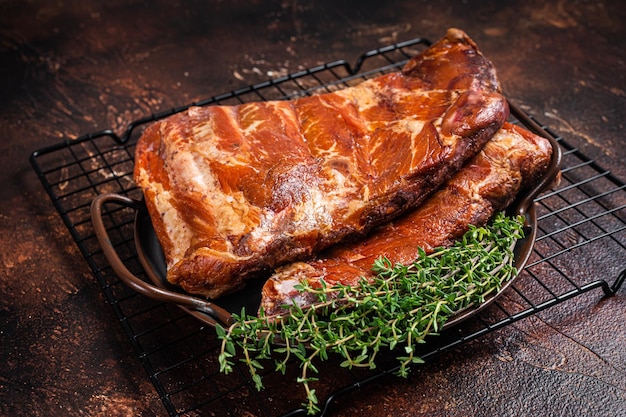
point(512, 160)
point(235, 190)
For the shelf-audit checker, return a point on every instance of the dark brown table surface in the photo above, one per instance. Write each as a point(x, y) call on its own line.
point(73, 67)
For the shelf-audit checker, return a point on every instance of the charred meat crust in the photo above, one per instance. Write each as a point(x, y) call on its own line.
point(235, 190)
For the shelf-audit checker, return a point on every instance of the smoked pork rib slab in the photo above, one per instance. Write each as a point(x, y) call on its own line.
point(513, 160)
point(235, 190)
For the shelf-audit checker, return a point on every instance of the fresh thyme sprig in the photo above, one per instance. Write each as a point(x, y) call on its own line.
point(396, 309)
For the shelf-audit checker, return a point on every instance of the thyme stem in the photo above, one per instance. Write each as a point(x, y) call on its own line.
point(400, 306)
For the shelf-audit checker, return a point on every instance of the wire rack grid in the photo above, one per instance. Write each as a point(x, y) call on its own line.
point(585, 214)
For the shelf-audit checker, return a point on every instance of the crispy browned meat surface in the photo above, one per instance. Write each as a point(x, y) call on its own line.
point(234, 190)
point(512, 160)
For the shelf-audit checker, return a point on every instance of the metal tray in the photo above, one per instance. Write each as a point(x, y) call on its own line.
point(219, 311)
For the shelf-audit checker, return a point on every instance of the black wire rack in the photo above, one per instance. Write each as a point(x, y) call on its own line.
point(585, 214)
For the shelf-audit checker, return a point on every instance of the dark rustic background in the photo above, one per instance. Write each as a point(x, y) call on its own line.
point(73, 67)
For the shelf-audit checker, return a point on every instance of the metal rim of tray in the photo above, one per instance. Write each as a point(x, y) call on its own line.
point(214, 312)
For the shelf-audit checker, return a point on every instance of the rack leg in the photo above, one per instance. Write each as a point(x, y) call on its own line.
point(616, 285)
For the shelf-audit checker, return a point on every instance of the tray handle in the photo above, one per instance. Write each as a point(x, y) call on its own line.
point(552, 175)
point(136, 283)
